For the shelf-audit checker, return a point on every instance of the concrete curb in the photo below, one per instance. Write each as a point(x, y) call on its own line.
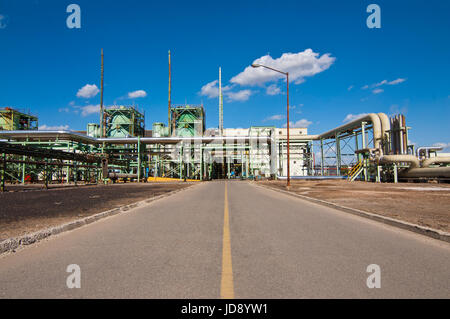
point(430, 232)
point(11, 244)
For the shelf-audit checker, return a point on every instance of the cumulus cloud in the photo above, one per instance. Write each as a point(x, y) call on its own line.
point(275, 117)
point(88, 91)
point(54, 128)
point(242, 95)
point(299, 65)
point(211, 89)
point(351, 117)
point(299, 124)
point(273, 89)
point(88, 109)
point(137, 94)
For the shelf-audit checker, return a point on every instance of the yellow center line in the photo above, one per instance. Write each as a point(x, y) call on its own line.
point(226, 286)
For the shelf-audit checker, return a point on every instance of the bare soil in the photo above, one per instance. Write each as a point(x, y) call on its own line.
point(419, 203)
point(29, 208)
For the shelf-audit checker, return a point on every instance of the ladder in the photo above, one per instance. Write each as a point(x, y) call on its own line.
point(355, 171)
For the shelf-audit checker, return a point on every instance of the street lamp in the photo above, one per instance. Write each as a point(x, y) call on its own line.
point(254, 65)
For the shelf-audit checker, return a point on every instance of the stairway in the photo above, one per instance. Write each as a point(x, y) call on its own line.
point(355, 171)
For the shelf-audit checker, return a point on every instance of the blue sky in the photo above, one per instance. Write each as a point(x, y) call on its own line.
point(327, 44)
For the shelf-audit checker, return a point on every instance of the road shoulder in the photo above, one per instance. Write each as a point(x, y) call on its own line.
point(426, 231)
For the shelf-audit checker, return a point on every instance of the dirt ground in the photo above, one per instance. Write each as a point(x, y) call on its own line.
point(419, 203)
point(25, 209)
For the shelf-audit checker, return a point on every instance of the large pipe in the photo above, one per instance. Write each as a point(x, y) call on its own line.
point(388, 159)
point(427, 150)
point(426, 172)
point(77, 137)
point(436, 160)
point(49, 135)
point(385, 124)
point(385, 131)
point(372, 117)
point(121, 175)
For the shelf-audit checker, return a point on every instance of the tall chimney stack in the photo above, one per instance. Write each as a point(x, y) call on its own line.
point(220, 103)
point(170, 88)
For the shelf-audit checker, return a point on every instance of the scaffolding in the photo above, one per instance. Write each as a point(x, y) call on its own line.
point(14, 120)
point(124, 121)
point(187, 120)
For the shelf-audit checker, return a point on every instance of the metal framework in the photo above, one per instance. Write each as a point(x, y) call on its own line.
point(11, 120)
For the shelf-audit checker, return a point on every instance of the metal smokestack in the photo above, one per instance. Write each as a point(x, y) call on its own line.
point(220, 103)
point(170, 88)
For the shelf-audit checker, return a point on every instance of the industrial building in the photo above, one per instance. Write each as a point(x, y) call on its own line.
point(371, 148)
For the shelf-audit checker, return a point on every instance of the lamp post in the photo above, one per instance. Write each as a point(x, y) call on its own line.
point(287, 125)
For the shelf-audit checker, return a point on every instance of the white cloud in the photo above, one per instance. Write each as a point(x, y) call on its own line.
point(3, 21)
point(394, 109)
point(299, 65)
point(64, 110)
point(275, 117)
point(399, 80)
point(299, 124)
point(379, 84)
point(88, 91)
point(377, 91)
point(351, 117)
point(137, 94)
point(211, 89)
point(350, 88)
point(273, 89)
point(384, 82)
point(89, 109)
point(242, 95)
point(54, 128)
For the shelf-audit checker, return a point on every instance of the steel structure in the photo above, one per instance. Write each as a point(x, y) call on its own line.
point(187, 120)
point(124, 121)
point(11, 120)
point(371, 148)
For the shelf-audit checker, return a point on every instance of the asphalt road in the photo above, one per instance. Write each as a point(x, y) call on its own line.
point(248, 242)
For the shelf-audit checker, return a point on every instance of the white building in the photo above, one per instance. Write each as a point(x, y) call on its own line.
point(272, 160)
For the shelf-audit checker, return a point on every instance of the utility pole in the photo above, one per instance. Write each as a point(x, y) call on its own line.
point(102, 118)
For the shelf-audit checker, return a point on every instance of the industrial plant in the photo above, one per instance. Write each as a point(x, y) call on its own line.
point(119, 147)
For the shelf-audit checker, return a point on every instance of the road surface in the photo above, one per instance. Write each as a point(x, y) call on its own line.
point(230, 239)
